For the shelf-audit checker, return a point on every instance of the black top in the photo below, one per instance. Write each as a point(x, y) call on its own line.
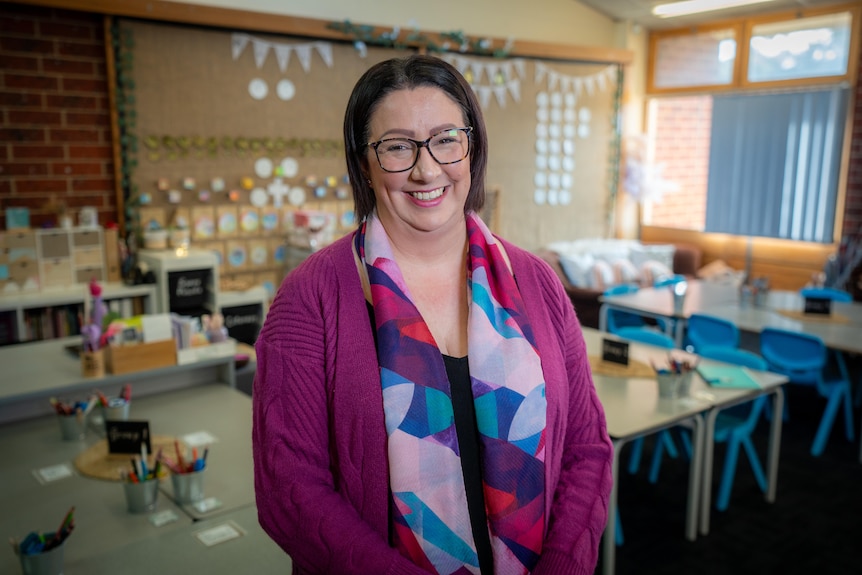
point(467, 431)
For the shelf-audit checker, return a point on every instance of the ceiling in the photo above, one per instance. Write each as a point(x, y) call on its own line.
point(639, 11)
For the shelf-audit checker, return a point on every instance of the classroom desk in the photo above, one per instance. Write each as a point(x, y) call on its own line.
point(179, 551)
point(657, 303)
point(102, 522)
point(33, 372)
point(633, 409)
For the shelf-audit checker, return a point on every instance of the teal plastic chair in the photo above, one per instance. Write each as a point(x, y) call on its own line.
point(654, 337)
point(733, 426)
point(802, 358)
point(616, 318)
point(832, 294)
point(669, 280)
point(709, 331)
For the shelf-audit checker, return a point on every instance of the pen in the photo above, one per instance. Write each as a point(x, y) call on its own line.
point(180, 463)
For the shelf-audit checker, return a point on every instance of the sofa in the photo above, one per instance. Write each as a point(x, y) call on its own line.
point(684, 259)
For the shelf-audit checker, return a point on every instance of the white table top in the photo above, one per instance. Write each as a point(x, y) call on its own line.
point(102, 521)
point(659, 301)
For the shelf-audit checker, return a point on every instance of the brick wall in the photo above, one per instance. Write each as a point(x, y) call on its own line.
point(55, 134)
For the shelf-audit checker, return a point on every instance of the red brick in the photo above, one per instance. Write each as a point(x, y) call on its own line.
point(23, 168)
point(90, 152)
point(64, 66)
point(4, 155)
point(15, 25)
point(95, 51)
point(22, 135)
point(73, 135)
point(37, 152)
point(77, 168)
point(27, 63)
point(23, 186)
point(21, 99)
point(89, 199)
point(96, 119)
point(6, 192)
point(27, 45)
point(84, 85)
point(31, 82)
point(79, 31)
point(92, 184)
point(76, 102)
point(34, 117)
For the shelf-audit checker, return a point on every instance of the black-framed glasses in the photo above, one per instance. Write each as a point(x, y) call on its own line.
point(400, 154)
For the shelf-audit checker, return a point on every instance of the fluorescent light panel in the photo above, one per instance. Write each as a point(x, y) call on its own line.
point(697, 6)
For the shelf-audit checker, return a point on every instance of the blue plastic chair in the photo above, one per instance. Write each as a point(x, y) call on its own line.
point(709, 331)
point(648, 336)
point(802, 358)
point(733, 426)
point(832, 294)
point(617, 318)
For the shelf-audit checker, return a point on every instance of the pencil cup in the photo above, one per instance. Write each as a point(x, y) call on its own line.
point(188, 487)
point(93, 363)
point(684, 384)
point(668, 385)
point(116, 410)
point(47, 563)
point(141, 497)
point(72, 427)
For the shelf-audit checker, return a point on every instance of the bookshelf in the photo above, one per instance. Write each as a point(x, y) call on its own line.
point(53, 313)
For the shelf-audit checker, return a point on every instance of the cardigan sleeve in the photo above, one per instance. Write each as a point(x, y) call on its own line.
point(578, 513)
point(298, 503)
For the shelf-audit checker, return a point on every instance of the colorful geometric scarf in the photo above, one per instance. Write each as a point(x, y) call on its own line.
point(429, 507)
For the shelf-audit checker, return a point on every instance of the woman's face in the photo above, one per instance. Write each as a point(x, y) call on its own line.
point(429, 197)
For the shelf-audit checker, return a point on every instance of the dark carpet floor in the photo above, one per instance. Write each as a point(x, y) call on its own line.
point(814, 526)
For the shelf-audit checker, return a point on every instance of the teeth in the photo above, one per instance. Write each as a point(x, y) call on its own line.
point(425, 196)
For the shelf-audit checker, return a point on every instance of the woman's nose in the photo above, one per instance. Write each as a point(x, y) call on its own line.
point(426, 167)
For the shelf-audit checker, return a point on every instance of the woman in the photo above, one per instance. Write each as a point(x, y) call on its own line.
point(423, 400)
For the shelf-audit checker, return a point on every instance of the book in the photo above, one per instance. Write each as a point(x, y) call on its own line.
point(727, 376)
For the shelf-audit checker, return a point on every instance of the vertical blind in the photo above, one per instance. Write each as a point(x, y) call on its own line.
point(773, 164)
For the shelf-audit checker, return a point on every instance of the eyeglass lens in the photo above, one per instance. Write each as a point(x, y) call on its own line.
point(400, 154)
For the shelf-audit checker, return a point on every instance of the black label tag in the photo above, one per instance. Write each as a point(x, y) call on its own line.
point(615, 351)
point(817, 305)
point(127, 436)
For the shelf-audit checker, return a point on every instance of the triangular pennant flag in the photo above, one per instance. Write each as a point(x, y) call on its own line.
point(515, 89)
point(589, 82)
point(325, 51)
point(565, 83)
point(579, 86)
point(491, 69)
point(282, 54)
point(600, 80)
point(261, 49)
point(540, 72)
point(238, 43)
point(553, 79)
point(500, 93)
point(519, 66)
point(478, 69)
point(303, 52)
point(484, 96)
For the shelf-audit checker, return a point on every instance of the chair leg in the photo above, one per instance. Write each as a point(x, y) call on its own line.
point(667, 439)
point(730, 459)
point(849, 430)
point(655, 465)
point(833, 402)
point(754, 461)
point(635, 456)
point(619, 539)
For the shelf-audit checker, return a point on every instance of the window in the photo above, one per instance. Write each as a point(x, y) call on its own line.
point(701, 59)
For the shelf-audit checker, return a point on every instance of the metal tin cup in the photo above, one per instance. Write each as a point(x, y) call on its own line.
point(116, 410)
point(668, 385)
point(72, 427)
point(47, 563)
point(188, 487)
point(141, 497)
point(684, 388)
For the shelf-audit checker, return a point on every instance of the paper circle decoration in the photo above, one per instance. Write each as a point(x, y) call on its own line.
point(258, 255)
point(246, 183)
point(259, 197)
point(296, 196)
point(258, 89)
point(285, 89)
point(217, 185)
point(290, 167)
point(263, 167)
point(539, 197)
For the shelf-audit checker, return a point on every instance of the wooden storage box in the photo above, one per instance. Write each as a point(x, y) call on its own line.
point(129, 358)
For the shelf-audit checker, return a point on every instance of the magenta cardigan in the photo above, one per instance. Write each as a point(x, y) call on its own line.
point(319, 440)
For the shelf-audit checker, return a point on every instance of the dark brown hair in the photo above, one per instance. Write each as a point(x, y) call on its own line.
point(400, 74)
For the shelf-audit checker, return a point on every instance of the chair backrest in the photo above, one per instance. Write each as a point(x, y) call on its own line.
point(706, 330)
point(827, 293)
point(748, 414)
point(616, 318)
point(799, 356)
point(647, 335)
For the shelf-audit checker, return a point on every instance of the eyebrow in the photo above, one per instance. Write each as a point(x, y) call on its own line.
point(398, 132)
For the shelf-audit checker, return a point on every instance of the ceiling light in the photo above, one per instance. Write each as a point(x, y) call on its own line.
point(697, 6)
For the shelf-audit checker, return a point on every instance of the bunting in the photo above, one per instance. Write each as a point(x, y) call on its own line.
point(576, 84)
point(499, 79)
point(283, 52)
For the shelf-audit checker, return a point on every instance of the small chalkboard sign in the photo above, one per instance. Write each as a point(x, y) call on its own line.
point(127, 436)
point(615, 351)
point(818, 305)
